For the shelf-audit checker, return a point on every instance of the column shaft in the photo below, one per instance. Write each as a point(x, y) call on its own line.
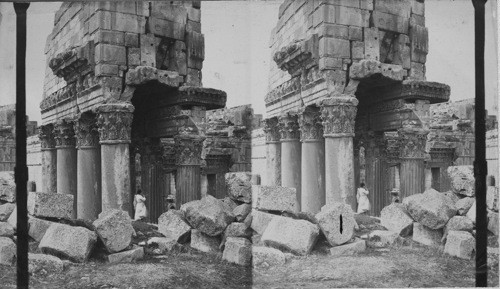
point(89, 183)
point(273, 164)
point(115, 177)
point(49, 171)
point(66, 160)
point(339, 167)
point(188, 188)
point(313, 176)
point(291, 166)
point(412, 177)
point(428, 178)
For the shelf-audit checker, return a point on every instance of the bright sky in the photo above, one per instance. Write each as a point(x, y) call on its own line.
point(237, 51)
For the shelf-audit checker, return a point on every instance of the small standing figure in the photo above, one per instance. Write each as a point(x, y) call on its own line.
point(362, 197)
point(139, 205)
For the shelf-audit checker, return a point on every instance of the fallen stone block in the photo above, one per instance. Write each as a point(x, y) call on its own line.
point(296, 236)
point(37, 228)
point(308, 216)
point(7, 187)
point(266, 257)
point(50, 205)
point(239, 186)
point(209, 215)
point(349, 249)
point(6, 230)
point(463, 205)
point(491, 198)
point(74, 243)
point(7, 251)
point(114, 228)
point(395, 218)
point(460, 244)
point(462, 180)
point(237, 230)
point(41, 264)
point(274, 198)
point(471, 213)
point(427, 236)
point(260, 221)
point(132, 255)
point(337, 223)
point(458, 223)
point(242, 211)
point(163, 244)
point(493, 222)
point(203, 242)
point(12, 220)
point(453, 197)
point(172, 225)
point(5, 211)
point(228, 201)
point(432, 208)
point(238, 251)
point(492, 253)
point(382, 239)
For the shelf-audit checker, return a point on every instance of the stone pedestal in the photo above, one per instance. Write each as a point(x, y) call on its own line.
point(188, 160)
point(273, 152)
point(412, 155)
point(66, 160)
point(89, 169)
point(49, 159)
point(338, 115)
point(114, 126)
point(313, 161)
point(290, 153)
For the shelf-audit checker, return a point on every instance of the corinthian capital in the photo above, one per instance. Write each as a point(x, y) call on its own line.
point(47, 138)
point(86, 131)
point(115, 122)
point(412, 143)
point(64, 133)
point(188, 149)
point(289, 126)
point(271, 129)
point(338, 115)
point(310, 124)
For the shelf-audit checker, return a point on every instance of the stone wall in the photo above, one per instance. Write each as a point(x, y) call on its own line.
point(34, 161)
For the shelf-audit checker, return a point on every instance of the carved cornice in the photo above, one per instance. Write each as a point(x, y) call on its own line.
point(64, 134)
point(299, 55)
point(435, 92)
point(188, 149)
point(271, 130)
point(311, 127)
point(46, 136)
point(442, 155)
point(412, 143)
point(114, 122)
point(86, 132)
point(289, 126)
point(291, 86)
point(338, 115)
point(71, 91)
point(71, 62)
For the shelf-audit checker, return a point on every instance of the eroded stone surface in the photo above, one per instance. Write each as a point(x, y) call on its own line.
point(427, 236)
point(493, 222)
point(43, 264)
point(382, 239)
point(37, 228)
point(491, 198)
point(7, 187)
point(172, 225)
point(458, 223)
point(462, 180)
point(239, 186)
point(238, 251)
point(460, 244)
point(432, 208)
point(337, 223)
point(7, 251)
point(74, 243)
point(266, 257)
point(274, 198)
point(164, 244)
point(349, 249)
point(260, 221)
point(395, 218)
point(114, 228)
point(463, 205)
point(242, 211)
point(203, 242)
point(50, 205)
point(132, 255)
point(208, 215)
point(6, 230)
point(5, 211)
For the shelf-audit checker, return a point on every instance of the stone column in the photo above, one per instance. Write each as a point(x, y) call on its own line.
point(273, 153)
point(188, 160)
point(290, 153)
point(313, 161)
point(428, 178)
point(88, 200)
point(412, 155)
point(114, 125)
point(66, 160)
point(338, 115)
point(49, 159)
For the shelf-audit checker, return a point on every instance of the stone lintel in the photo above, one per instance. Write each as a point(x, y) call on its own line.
point(144, 74)
point(368, 68)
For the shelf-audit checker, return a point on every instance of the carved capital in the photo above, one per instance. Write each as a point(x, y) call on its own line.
point(114, 122)
point(289, 126)
point(47, 138)
point(311, 127)
point(64, 134)
point(338, 115)
point(412, 143)
point(271, 129)
point(86, 132)
point(188, 149)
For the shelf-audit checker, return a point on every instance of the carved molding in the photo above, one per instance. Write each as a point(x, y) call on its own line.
point(188, 149)
point(289, 126)
point(271, 130)
point(87, 135)
point(69, 63)
point(412, 143)
point(299, 55)
point(114, 122)
point(64, 134)
point(46, 136)
point(338, 115)
point(311, 127)
point(289, 87)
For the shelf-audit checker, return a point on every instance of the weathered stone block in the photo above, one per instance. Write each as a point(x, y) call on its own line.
point(432, 208)
point(382, 239)
point(417, 20)
point(418, 7)
point(104, 69)
point(112, 54)
point(178, 60)
point(165, 28)
point(37, 228)
point(239, 186)
point(114, 228)
point(237, 230)
point(274, 198)
point(366, 4)
point(419, 37)
point(7, 187)
point(132, 255)
point(296, 236)
point(131, 39)
point(193, 77)
point(334, 31)
point(351, 16)
point(401, 55)
point(372, 43)
point(390, 22)
point(460, 244)
point(238, 251)
point(463, 205)
point(7, 251)
point(6, 230)
point(493, 222)
point(417, 71)
point(266, 257)
point(395, 218)
point(203, 242)
point(357, 50)
point(491, 199)
point(334, 47)
point(208, 215)
point(368, 67)
point(326, 63)
point(194, 14)
point(337, 223)
point(349, 249)
point(109, 37)
point(427, 236)
point(134, 56)
point(230, 202)
point(74, 243)
point(164, 244)
point(471, 213)
point(355, 33)
point(50, 205)
point(458, 223)
point(38, 263)
point(395, 7)
point(5, 211)
point(148, 50)
point(260, 221)
point(12, 220)
point(172, 225)
point(170, 12)
point(242, 211)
